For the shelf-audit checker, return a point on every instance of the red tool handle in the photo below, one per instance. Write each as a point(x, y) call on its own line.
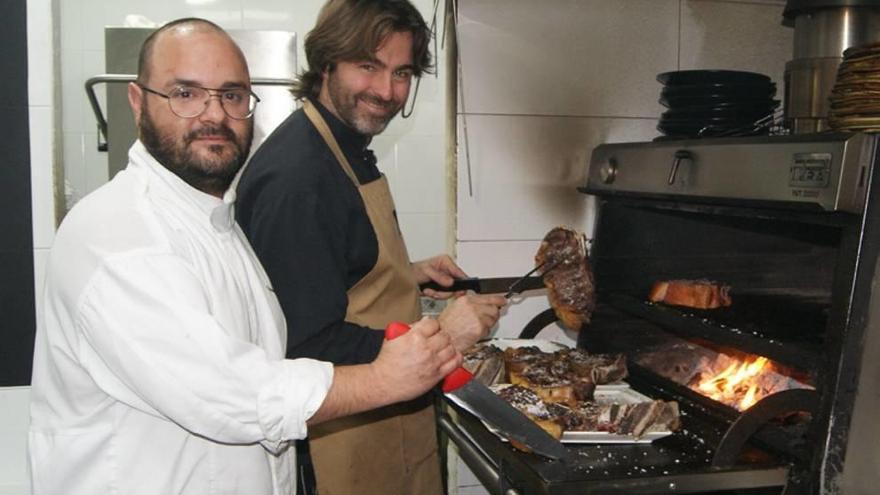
point(453, 381)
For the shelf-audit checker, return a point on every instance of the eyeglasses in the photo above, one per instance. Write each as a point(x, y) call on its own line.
point(191, 101)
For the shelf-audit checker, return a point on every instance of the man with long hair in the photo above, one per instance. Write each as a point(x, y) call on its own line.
point(321, 218)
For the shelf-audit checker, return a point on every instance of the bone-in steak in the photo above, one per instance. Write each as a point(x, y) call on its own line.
point(568, 276)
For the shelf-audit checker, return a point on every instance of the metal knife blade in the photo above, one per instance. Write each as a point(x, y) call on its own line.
point(509, 421)
point(496, 285)
point(492, 409)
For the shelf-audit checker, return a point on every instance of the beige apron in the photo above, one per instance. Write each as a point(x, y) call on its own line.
point(392, 450)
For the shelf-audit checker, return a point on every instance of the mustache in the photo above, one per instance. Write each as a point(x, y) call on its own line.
point(220, 130)
point(375, 100)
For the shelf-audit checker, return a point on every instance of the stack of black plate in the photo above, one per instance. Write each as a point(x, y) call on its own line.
point(708, 103)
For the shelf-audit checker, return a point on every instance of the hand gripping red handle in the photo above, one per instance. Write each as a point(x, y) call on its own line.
point(453, 381)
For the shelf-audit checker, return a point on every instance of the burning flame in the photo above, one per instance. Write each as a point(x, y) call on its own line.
point(737, 385)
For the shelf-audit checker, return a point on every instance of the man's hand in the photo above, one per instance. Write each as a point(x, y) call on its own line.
point(405, 368)
point(469, 318)
point(411, 364)
point(440, 269)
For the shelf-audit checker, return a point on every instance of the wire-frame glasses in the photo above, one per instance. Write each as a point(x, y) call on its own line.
point(191, 101)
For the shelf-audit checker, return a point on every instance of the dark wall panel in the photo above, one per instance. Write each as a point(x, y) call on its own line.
point(17, 323)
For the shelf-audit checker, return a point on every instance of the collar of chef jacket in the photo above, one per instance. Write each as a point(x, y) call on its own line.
point(220, 211)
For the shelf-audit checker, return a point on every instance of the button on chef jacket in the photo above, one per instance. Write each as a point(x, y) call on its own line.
point(158, 364)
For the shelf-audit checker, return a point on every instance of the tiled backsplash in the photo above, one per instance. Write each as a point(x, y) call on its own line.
point(519, 176)
point(593, 58)
point(736, 35)
point(14, 420)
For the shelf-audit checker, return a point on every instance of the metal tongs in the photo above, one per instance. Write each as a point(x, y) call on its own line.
point(506, 285)
point(519, 285)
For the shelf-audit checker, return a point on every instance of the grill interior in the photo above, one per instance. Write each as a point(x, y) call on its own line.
point(784, 269)
point(788, 272)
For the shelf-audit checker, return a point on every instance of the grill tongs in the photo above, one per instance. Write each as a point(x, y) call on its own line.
point(496, 285)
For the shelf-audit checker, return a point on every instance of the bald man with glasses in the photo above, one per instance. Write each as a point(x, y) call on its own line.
point(159, 359)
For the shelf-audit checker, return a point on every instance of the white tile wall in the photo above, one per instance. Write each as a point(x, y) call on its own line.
point(471, 490)
point(40, 81)
point(40, 127)
point(14, 418)
point(738, 36)
point(421, 176)
point(468, 479)
point(424, 238)
point(14, 401)
point(429, 107)
point(41, 260)
point(524, 171)
point(42, 118)
point(566, 57)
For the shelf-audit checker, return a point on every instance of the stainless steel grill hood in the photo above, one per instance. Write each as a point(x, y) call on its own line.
point(816, 171)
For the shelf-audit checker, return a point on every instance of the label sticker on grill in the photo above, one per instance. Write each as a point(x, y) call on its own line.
point(810, 170)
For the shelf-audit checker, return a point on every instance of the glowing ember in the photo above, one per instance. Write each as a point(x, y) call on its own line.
point(739, 385)
point(737, 381)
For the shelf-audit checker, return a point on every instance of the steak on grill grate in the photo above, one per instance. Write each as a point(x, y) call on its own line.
point(700, 294)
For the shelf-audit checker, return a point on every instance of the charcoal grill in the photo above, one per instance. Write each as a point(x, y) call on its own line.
point(791, 223)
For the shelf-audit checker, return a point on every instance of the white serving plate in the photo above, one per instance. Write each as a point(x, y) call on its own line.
point(603, 395)
point(543, 345)
point(613, 396)
point(620, 393)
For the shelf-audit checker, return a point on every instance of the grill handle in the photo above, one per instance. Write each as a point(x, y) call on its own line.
point(679, 156)
point(482, 467)
point(96, 107)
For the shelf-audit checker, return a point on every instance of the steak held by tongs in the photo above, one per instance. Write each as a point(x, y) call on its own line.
point(568, 276)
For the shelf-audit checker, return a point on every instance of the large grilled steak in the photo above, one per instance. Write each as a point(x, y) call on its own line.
point(568, 277)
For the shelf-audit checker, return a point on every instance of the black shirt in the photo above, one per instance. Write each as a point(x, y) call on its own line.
point(310, 229)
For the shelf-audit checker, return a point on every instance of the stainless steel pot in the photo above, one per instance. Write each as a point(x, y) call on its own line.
point(823, 29)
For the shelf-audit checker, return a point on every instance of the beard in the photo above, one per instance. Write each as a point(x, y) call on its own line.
point(346, 104)
point(212, 174)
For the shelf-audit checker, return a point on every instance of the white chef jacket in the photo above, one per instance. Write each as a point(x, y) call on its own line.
point(159, 363)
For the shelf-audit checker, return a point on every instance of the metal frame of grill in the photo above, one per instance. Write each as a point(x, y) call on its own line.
point(831, 299)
